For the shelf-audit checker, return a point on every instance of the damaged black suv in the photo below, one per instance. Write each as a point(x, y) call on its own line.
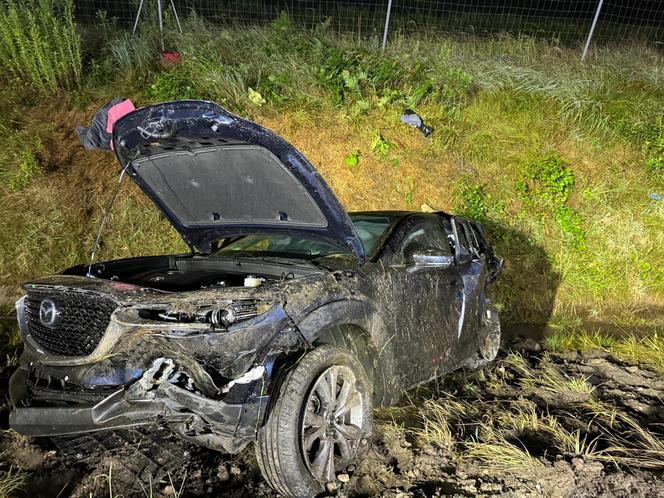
point(288, 322)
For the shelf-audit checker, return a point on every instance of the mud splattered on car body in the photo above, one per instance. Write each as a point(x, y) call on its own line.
point(285, 296)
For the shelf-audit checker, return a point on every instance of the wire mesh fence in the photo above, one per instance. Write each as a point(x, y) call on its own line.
point(568, 21)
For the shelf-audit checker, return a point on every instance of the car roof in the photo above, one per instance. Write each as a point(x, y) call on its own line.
point(395, 215)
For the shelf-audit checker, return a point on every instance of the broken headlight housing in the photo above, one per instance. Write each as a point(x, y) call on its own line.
point(221, 315)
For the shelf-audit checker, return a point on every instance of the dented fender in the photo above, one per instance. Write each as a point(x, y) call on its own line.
point(211, 357)
point(230, 352)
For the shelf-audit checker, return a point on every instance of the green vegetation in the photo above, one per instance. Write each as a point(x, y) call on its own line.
point(380, 145)
point(547, 184)
point(28, 166)
point(474, 202)
point(171, 85)
point(352, 159)
point(39, 44)
point(646, 350)
point(653, 148)
point(557, 159)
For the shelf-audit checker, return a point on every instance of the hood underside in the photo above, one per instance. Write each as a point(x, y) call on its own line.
point(215, 175)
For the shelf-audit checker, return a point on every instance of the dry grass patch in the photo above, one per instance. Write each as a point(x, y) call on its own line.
point(11, 481)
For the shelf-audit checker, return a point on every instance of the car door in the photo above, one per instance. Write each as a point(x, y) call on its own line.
point(424, 314)
point(472, 270)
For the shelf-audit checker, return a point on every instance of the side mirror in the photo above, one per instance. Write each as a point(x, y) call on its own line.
point(429, 259)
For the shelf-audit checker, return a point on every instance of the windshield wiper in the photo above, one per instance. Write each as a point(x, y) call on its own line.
point(267, 258)
point(284, 260)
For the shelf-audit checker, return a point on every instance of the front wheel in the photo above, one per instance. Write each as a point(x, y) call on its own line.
point(319, 423)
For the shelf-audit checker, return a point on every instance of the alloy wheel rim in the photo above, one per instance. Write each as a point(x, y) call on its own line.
point(331, 427)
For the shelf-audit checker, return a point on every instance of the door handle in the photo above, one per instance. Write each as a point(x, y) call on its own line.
point(453, 282)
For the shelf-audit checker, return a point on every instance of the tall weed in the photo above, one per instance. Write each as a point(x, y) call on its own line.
point(39, 43)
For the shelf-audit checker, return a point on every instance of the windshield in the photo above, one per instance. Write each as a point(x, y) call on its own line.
point(275, 245)
point(370, 229)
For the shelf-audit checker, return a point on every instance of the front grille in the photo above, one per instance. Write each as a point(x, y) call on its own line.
point(82, 318)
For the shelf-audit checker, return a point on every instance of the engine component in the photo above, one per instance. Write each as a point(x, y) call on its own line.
point(251, 281)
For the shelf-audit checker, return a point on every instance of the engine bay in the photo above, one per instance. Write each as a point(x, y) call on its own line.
point(190, 272)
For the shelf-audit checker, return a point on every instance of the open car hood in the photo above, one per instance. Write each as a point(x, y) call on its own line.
point(215, 175)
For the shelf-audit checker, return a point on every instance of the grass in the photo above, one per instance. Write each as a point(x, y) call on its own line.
point(11, 482)
point(645, 350)
point(500, 420)
point(435, 415)
point(638, 447)
point(553, 381)
point(648, 351)
point(503, 455)
point(580, 385)
point(39, 43)
point(554, 157)
point(28, 166)
point(557, 159)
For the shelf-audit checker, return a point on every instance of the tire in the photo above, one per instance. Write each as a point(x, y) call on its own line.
point(300, 416)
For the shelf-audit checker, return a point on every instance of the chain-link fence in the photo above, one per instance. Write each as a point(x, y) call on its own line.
point(568, 21)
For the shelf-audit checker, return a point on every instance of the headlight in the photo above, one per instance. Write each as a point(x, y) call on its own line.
point(221, 315)
point(234, 312)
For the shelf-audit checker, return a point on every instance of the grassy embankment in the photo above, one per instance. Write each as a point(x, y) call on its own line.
point(559, 160)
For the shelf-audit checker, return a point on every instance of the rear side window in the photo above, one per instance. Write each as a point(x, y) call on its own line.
point(467, 236)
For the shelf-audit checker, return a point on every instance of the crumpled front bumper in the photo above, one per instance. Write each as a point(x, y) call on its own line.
point(145, 402)
point(209, 386)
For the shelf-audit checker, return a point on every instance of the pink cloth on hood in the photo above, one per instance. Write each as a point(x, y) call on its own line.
point(116, 112)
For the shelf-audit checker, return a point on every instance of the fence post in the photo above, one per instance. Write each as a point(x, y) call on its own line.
point(387, 23)
point(138, 14)
point(592, 30)
point(161, 25)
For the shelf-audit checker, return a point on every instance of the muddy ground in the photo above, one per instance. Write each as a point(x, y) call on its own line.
point(534, 423)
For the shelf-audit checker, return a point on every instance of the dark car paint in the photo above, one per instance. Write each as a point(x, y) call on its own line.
point(197, 125)
point(406, 323)
point(408, 316)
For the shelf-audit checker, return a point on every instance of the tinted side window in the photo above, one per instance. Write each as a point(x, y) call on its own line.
point(479, 237)
point(463, 237)
point(425, 236)
point(467, 238)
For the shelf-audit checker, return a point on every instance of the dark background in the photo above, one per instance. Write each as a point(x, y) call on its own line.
point(557, 18)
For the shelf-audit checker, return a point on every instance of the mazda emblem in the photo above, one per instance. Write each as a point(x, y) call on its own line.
point(48, 313)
